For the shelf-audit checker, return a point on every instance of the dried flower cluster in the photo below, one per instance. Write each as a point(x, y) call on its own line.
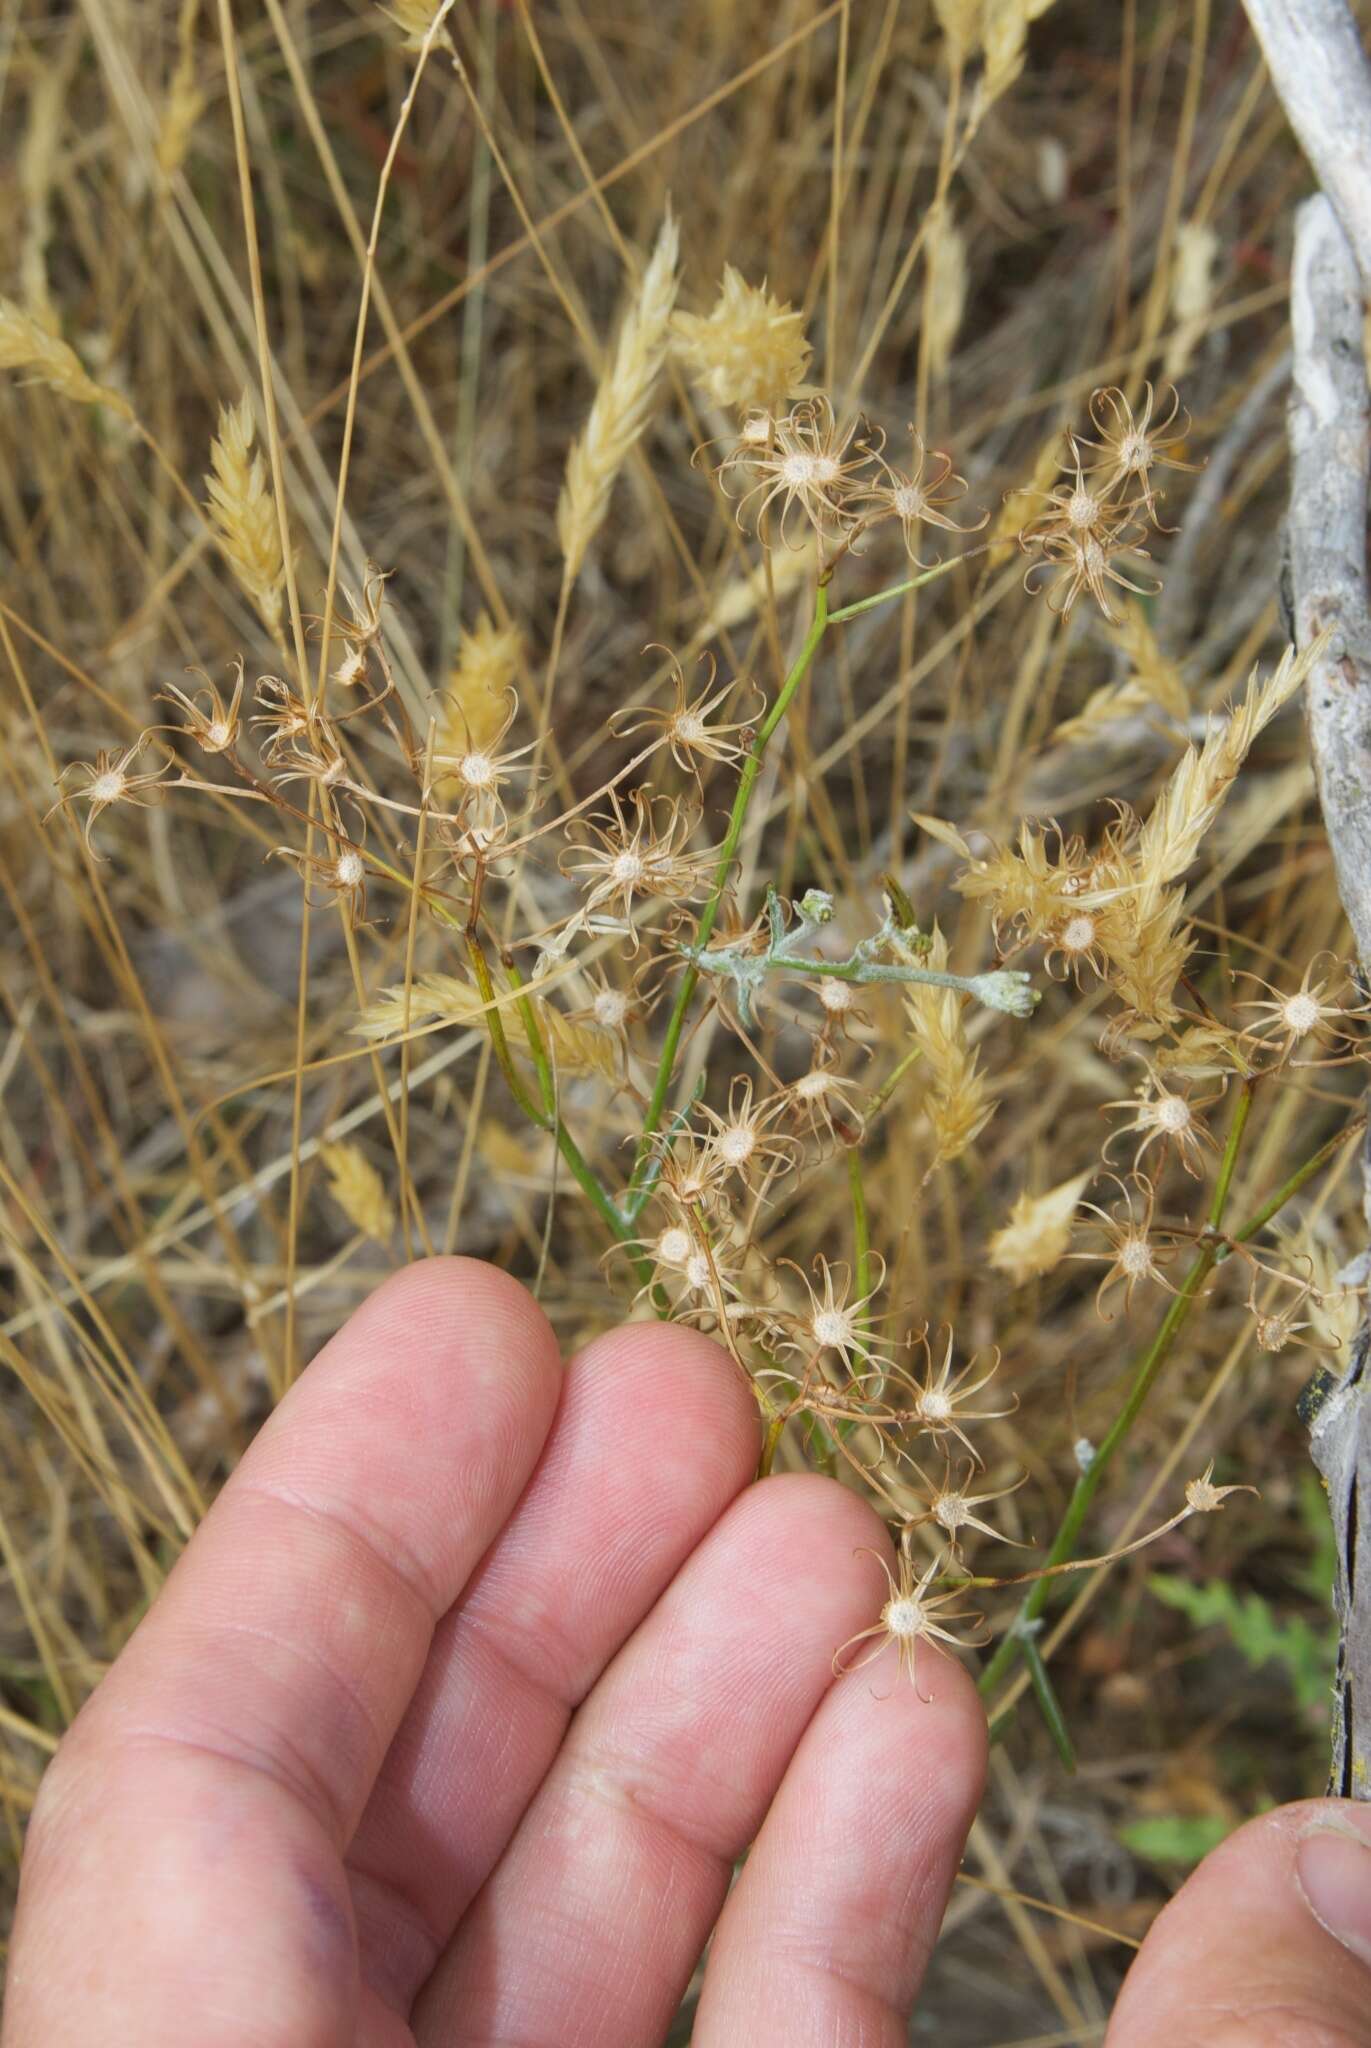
point(1089, 533)
point(586, 934)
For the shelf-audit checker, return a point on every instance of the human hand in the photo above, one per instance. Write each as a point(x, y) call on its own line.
point(454, 1717)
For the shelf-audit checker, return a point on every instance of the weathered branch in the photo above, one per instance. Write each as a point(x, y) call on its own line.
point(1318, 66)
point(1326, 540)
point(1313, 50)
point(1326, 566)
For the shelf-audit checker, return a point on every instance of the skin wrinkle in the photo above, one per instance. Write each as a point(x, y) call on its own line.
point(329, 1917)
point(569, 1965)
point(1231, 2026)
point(510, 1745)
point(397, 1560)
point(259, 1769)
point(867, 2018)
point(397, 1947)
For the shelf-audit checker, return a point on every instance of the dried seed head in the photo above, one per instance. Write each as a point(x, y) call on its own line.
point(622, 404)
point(110, 779)
point(214, 725)
point(912, 1614)
point(810, 465)
point(1163, 1116)
point(1202, 1497)
point(903, 1617)
point(1300, 1013)
point(674, 1247)
point(919, 498)
point(749, 351)
point(243, 509)
point(685, 727)
point(610, 1008)
point(1038, 1234)
point(359, 1191)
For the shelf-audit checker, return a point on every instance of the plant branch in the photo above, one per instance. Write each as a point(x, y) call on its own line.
point(1144, 1378)
point(727, 855)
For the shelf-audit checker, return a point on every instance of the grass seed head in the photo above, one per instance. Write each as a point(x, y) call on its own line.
point(749, 351)
point(243, 511)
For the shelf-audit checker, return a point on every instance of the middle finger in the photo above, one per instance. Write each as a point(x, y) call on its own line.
point(590, 1925)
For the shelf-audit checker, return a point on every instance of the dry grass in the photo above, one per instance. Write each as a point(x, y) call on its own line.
point(223, 1075)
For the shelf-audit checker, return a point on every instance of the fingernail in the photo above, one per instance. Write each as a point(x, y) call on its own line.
point(1333, 1870)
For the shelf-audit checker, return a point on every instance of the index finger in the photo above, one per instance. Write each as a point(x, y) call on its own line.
point(197, 1810)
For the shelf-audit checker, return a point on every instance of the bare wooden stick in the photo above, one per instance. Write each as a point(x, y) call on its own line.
point(1313, 50)
point(1314, 53)
point(1325, 539)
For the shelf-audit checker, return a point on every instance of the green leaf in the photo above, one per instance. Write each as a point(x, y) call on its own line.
point(1259, 1635)
point(1183, 1838)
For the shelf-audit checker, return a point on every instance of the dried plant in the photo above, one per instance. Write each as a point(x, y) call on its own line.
point(622, 403)
point(823, 886)
point(244, 513)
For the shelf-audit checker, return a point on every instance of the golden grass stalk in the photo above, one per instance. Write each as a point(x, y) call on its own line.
point(441, 998)
point(359, 1191)
point(622, 403)
point(414, 19)
point(1145, 937)
point(475, 701)
point(1193, 797)
point(1192, 293)
point(37, 163)
point(243, 510)
point(947, 283)
point(1155, 682)
point(26, 345)
point(185, 102)
point(958, 1103)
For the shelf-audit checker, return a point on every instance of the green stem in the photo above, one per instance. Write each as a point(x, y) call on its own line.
point(769, 1443)
point(1229, 1161)
point(727, 855)
point(495, 1023)
point(549, 1118)
point(861, 1228)
point(877, 1102)
point(1049, 1704)
point(869, 604)
point(1153, 1359)
point(1296, 1181)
